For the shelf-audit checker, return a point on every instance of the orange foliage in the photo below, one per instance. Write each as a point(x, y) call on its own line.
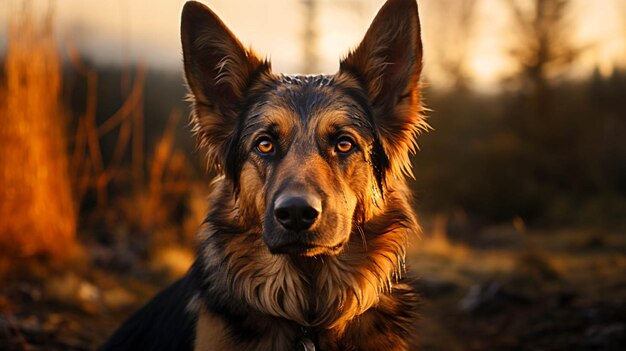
point(37, 211)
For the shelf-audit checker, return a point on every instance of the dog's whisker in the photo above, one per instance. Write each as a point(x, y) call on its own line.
point(362, 234)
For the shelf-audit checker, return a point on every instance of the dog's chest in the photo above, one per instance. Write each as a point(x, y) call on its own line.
point(383, 327)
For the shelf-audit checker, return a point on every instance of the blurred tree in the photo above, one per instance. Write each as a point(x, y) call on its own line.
point(453, 27)
point(37, 211)
point(551, 130)
point(309, 37)
point(543, 49)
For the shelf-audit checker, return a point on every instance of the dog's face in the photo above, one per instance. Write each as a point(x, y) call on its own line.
point(306, 149)
point(309, 157)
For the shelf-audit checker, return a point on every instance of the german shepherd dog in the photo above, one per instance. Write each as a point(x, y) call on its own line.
point(310, 214)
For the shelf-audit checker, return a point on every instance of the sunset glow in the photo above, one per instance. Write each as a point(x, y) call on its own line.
point(122, 31)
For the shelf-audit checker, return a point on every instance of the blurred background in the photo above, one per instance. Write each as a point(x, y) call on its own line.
point(520, 186)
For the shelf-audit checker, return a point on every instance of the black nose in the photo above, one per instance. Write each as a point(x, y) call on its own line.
point(297, 212)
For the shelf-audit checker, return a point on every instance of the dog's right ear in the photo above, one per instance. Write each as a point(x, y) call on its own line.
point(219, 70)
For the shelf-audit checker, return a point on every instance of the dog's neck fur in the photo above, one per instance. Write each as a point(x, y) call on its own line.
point(324, 293)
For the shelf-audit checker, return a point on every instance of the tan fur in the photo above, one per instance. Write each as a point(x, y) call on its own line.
point(211, 335)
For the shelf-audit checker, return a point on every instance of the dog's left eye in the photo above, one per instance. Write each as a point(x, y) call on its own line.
point(344, 145)
point(265, 146)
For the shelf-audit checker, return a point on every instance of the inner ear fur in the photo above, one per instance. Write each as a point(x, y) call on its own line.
point(388, 64)
point(219, 71)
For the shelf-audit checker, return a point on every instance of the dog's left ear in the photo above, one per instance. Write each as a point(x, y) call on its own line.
point(388, 62)
point(219, 70)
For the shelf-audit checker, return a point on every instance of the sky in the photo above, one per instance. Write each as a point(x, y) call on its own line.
point(123, 31)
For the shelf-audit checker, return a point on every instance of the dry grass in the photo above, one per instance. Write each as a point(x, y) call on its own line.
point(37, 211)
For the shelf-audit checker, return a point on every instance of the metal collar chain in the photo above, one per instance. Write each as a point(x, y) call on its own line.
point(305, 343)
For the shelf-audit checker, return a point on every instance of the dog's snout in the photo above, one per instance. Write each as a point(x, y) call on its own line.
point(297, 212)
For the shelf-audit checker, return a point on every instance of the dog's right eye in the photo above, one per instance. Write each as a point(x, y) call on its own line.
point(344, 145)
point(265, 146)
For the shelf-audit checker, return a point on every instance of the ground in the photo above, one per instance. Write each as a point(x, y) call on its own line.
point(498, 288)
point(519, 290)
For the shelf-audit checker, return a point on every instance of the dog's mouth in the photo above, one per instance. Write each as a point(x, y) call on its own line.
point(307, 249)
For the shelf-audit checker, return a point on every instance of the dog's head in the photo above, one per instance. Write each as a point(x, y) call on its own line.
point(310, 158)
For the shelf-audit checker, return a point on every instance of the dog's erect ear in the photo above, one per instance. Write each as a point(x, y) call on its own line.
point(388, 62)
point(219, 70)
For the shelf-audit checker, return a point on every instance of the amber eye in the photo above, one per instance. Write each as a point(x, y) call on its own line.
point(344, 145)
point(265, 146)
